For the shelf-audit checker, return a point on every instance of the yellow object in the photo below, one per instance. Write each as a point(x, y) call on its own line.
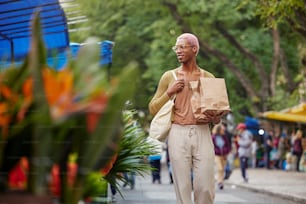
point(293, 114)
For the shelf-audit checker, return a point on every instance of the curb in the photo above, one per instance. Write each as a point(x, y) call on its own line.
point(256, 189)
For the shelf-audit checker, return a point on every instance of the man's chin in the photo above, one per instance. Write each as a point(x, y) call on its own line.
point(180, 60)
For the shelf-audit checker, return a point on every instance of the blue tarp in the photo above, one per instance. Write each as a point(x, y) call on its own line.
point(15, 30)
point(15, 33)
point(59, 61)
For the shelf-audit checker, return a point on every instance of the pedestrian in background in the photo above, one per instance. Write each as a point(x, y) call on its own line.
point(230, 156)
point(268, 144)
point(114, 192)
point(222, 147)
point(244, 151)
point(129, 179)
point(155, 161)
point(254, 148)
point(189, 141)
point(283, 148)
point(275, 151)
point(298, 148)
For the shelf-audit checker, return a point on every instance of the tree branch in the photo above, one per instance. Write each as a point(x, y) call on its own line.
point(241, 77)
point(231, 39)
point(291, 85)
point(258, 65)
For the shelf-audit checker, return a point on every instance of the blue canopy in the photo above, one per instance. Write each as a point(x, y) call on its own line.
point(59, 61)
point(15, 30)
point(15, 33)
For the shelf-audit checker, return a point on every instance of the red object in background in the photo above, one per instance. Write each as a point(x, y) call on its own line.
point(18, 175)
point(241, 126)
point(94, 110)
point(105, 170)
point(72, 169)
point(55, 183)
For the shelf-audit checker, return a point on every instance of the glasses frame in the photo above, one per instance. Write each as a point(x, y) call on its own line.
point(175, 48)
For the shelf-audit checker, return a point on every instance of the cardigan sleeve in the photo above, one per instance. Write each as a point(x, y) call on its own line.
point(161, 97)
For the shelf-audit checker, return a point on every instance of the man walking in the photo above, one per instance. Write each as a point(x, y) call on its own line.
point(189, 141)
point(245, 148)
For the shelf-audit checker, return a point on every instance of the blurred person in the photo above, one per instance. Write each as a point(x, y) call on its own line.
point(114, 192)
point(129, 179)
point(244, 150)
point(155, 161)
point(235, 147)
point(254, 148)
point(222, 147)
point(283, 148)
point(189, 141)
point(276, 158)
point(298, 148)
point(230, 156)
point(268, 148)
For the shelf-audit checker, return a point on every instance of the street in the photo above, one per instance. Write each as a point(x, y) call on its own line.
point(147, 193)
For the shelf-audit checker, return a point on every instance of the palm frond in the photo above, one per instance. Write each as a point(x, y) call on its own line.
point(133, 151)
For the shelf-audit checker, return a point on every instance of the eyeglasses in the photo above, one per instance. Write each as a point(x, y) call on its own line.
point(181, 47)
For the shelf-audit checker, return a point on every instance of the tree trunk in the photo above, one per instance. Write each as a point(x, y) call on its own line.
point(275, 60)
point(284, 66)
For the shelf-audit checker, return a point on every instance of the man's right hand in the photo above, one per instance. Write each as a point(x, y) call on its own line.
point(177, 87)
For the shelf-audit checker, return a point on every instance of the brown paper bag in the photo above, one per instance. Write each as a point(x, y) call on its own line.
point(213, 98)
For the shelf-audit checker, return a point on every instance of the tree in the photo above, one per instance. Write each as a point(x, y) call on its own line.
point(275, 12)
point(233, 42)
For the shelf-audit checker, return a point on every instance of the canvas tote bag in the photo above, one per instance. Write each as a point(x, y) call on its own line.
point(161, 122)
point(210, 98)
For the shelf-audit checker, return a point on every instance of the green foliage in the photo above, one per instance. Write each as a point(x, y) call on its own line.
point(133, 150)
point(274, 12)
point(278, 103)
point(95, 186)
point(144, 31)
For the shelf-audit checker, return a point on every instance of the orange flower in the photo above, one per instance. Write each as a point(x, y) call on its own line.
point(57, 85)
point(59, 91)
point(5, 118)
point(9, 100)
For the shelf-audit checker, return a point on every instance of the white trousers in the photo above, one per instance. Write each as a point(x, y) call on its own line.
point(191, 148)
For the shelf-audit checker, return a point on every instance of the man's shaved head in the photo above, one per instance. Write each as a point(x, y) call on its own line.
point(191, 39)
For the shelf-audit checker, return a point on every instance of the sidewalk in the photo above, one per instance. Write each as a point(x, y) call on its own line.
point(147, 193)
point(285, 184)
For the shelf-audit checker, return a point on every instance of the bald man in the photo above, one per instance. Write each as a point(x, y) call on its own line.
point(190, 145)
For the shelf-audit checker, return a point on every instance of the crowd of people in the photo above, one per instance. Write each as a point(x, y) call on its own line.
point(243, 149)
point(264, 150)
point(283, 151)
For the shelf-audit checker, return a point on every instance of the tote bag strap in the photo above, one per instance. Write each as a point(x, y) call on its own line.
point(175, 77)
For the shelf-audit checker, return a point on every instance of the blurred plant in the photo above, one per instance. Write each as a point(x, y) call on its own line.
point(57, 113)
point(133, 150)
